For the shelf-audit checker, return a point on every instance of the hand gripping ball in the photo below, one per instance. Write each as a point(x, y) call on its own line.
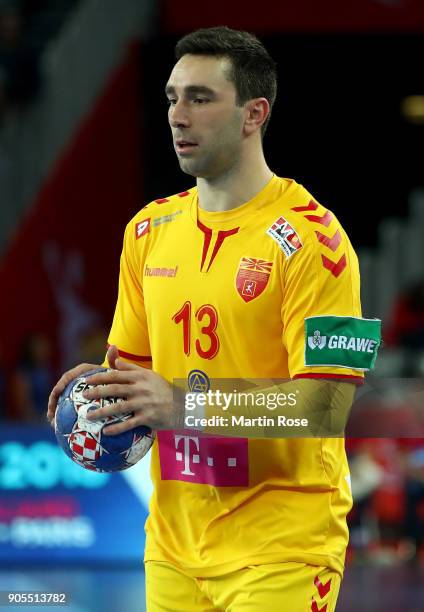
point(83, 440)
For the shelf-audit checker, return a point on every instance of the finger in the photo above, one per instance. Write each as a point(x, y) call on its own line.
point(69, 376)
point(78, 371)
point(50, 415)
point(127, 365)
point(115, 409)
point(109, 377)
point(61, 384)
point(112, 390)
point(117, 428)
point(51, 406)
point(112, 355)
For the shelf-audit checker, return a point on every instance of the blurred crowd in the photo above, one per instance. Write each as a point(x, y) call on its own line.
point(387, 519)
point(406, 329)
point(387, 472)
point(19, 66)
point(26, 26)
point(25, 389)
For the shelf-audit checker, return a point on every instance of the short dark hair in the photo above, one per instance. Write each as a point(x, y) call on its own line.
point(254, 72)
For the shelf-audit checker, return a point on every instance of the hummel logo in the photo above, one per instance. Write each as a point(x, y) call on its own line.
point(167, 272)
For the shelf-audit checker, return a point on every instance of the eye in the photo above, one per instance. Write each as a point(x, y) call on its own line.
point(200, 100)
point(171, 101)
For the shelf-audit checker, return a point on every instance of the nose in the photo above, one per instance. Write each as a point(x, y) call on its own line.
point(178, 115)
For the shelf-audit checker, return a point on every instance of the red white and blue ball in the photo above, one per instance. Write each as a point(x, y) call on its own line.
point(83, 440)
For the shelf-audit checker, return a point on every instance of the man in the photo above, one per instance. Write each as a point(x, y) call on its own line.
point(244, 276)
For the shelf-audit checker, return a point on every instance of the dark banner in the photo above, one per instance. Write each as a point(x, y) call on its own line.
point(300, 16)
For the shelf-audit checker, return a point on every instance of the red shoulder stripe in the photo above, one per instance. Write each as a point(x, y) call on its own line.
point(358, 380)
point(140, 358)
point(332, 243)
point(335, 267)
point(326, 218)
point(311, 206)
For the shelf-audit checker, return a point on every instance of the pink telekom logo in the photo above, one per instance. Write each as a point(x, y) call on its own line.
point(212, 460)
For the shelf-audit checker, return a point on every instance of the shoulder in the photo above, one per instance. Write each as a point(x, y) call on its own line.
point(158, 211)
point(313, 222)
point(299, 206)
point(165, 205)
point(308, 230)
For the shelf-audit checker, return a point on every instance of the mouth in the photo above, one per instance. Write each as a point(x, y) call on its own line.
point(183, 147)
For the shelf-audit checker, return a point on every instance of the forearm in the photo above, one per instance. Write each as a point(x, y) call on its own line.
point(294, 408)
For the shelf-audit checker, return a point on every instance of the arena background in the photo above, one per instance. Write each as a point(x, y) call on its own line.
point(84, 143)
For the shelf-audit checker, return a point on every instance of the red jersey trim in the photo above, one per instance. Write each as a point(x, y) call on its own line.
point(358, 380)
point(206, 241)
point(132, 356)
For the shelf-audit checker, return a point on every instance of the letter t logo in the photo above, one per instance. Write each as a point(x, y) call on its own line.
point(179, 456)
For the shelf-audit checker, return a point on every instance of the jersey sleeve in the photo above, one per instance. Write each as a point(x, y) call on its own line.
point(324, 333)
point(129, 328)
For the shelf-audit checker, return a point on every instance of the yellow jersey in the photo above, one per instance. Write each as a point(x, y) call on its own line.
point(226, 295)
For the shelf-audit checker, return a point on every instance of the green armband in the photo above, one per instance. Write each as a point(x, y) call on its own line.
point(342, 342)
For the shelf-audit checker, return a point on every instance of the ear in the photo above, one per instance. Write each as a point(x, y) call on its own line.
point(256, 113)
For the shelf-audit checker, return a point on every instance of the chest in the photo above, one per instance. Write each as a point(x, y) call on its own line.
point(238, 272)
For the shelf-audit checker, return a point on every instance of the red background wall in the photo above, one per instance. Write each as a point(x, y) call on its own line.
point(92, 191)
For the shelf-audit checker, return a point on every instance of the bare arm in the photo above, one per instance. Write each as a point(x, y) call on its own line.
point(324, 404)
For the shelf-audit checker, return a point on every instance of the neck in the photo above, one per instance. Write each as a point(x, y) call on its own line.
point(239, 185)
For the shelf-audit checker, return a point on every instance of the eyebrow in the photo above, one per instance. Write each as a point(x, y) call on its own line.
point(192, 90)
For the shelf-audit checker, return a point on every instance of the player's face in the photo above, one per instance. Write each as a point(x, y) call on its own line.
point(206, 123)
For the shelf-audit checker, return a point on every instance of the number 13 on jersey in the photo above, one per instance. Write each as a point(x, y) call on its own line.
point(208, 347)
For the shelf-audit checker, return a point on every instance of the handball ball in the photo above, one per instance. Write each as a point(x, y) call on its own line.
point(83, 440)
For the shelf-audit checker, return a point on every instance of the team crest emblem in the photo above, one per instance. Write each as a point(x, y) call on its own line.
point(252, 277)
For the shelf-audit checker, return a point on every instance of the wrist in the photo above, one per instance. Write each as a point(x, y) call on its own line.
point(178, 407)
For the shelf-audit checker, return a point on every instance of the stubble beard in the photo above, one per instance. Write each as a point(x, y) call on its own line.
point(214, 164)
